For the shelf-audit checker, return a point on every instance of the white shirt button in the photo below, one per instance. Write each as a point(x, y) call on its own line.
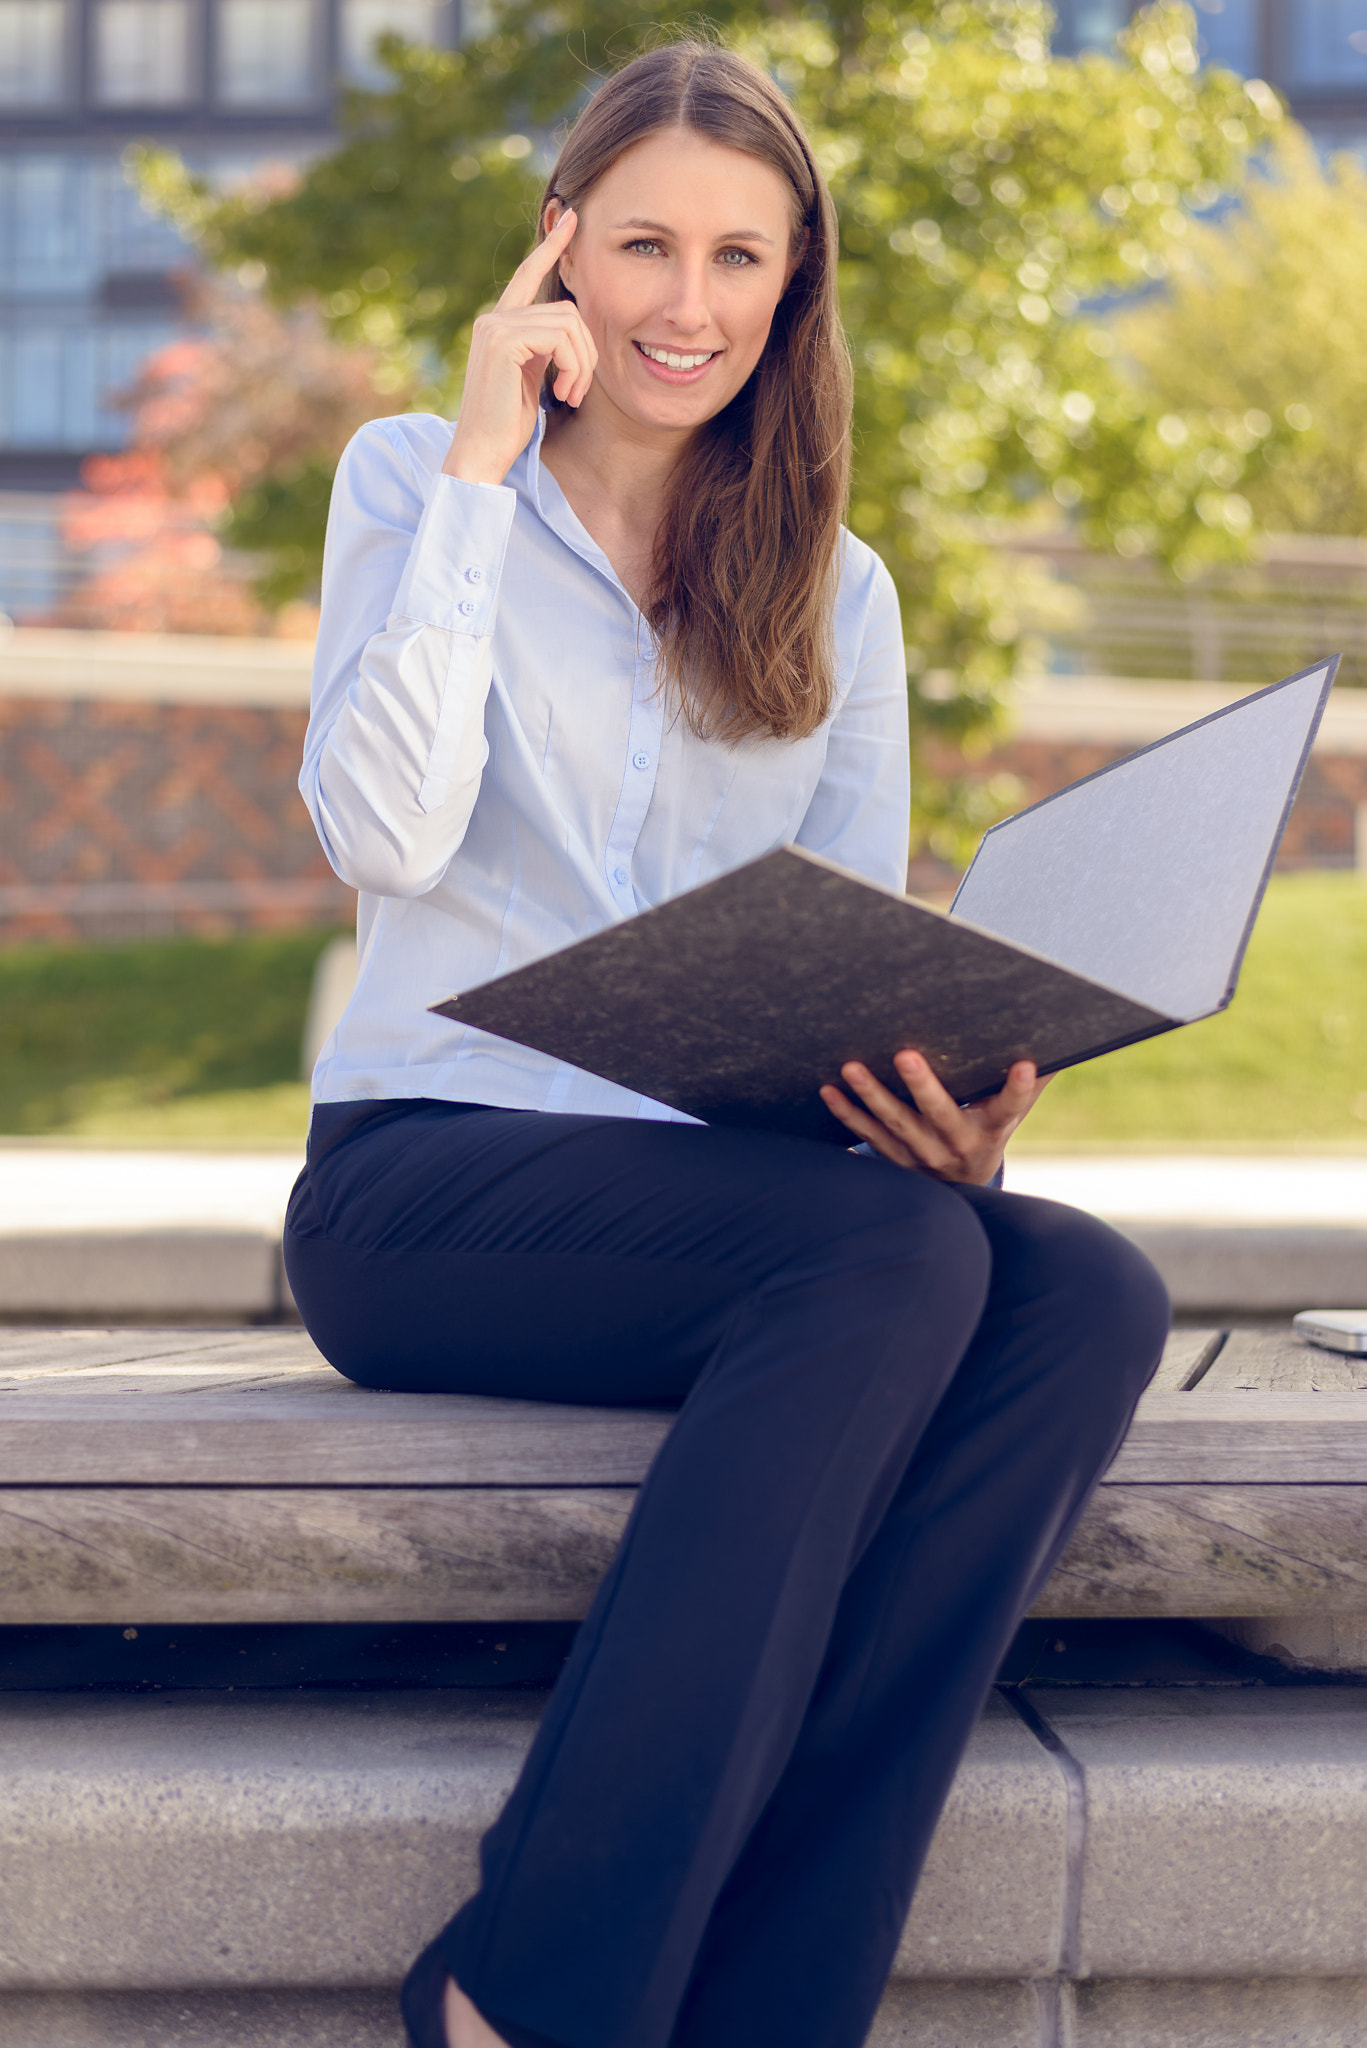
point(619, 875)
point(640, 760)
point(467, 605)
point(473, 575)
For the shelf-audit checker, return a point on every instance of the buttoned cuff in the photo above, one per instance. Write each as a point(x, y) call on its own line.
point(452, 574)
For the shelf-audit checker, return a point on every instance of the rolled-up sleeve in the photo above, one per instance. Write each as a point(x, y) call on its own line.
point(860, 813)
point(395, 747)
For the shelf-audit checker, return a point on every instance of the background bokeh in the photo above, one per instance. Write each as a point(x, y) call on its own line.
point(1103, 270)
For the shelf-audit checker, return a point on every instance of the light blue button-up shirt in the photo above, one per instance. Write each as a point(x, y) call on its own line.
point(491, 762)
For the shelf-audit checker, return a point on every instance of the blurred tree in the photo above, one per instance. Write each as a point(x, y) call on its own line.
point(1262, 327)
point(990, 193)
point(251, 411)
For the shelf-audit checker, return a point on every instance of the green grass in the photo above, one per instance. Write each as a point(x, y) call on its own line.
point(1284, 1068)
point(186, 1042)
point(173, 1042)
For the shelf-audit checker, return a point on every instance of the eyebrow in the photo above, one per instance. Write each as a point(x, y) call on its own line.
point(656, 227)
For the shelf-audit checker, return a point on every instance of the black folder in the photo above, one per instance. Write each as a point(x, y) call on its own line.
point(1116, 909)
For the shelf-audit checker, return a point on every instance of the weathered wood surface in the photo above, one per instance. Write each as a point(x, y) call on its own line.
point(1187, 1356)
point(311, 1429)
point(248, 1554)
point(1215, 1550)
point(185, 1554)
point(1277, 1362)
point(1244, 1439)
point(181, 1476)
point(263, 1408)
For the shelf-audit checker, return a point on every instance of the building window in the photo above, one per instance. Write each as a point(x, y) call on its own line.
point(46, 243)
point(363, 21)
point(142, 52)
point(32, 52)
point(57, 383)
point(266, 52)
point(1328, 43)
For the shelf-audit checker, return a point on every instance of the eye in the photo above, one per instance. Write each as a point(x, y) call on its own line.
point(644, 244)
point(735, 259)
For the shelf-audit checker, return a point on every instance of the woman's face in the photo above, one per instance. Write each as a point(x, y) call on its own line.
point(681, 255)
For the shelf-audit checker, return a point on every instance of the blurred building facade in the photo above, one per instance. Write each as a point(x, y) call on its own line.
point(1313, 51)
point(87, 275)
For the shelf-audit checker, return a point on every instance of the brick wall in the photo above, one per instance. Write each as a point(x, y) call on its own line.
point(148, 783)
point(122, 820)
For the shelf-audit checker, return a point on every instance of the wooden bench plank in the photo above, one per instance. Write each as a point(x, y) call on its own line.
point(243, 1554)
point(261, 1409)
point(147, 1555)
point(1186, 1359)
point(1244, 1439)
point(1215, 1550)
point(300, 1434)
point(1277, 1362)
point(283, 1435)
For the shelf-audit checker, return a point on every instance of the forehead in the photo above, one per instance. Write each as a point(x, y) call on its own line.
point(686, 181)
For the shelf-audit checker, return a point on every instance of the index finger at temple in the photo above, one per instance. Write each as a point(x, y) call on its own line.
point(526, 280)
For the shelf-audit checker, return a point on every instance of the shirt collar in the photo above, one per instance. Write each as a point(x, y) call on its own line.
point(541, 491)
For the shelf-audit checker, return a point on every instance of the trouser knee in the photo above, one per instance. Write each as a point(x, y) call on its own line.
point(1102, 1282)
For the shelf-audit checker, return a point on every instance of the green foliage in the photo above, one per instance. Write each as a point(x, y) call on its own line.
point(91, 1034)
point(1285, 1065)
point(1263, 326)
point(282, 518)
point(990, 195)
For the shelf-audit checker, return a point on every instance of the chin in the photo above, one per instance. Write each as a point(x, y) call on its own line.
point(675, 409)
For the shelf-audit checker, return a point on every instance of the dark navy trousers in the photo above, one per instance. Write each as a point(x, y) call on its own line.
point(896, 1396)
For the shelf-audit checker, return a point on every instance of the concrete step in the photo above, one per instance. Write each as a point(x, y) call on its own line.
point(1113, 1870)
point(142, 1236)
point(207, 1274)
point(201, 2019)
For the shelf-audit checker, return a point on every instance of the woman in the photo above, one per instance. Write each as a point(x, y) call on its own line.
point(573, 660)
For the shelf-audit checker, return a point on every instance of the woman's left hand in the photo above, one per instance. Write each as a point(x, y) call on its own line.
point(931, 1133)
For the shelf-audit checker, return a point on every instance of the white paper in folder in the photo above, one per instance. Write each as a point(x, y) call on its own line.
point(1148, 875)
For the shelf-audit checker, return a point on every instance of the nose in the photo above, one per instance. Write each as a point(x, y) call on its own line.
point(686, 308)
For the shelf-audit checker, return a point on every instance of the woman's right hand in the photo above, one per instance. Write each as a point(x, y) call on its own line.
point(510, 351)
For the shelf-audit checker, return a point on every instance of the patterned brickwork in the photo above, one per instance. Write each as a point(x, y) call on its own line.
point(121, 819)
point(129, 820)
point(1326, 828)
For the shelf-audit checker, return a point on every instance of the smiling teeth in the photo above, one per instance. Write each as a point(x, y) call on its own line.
point(672, 362)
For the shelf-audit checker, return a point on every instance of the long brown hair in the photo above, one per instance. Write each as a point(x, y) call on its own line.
point(746, 560)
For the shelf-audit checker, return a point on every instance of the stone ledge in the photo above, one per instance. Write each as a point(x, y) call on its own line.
point(148, 1274)
point(257, 1841)
point(255, 1871)
point(193, 1842)
point(1253, 2013)
point(142, 1275)
point(1226, 1831)
point(200, 2019)
point(1254, 1269)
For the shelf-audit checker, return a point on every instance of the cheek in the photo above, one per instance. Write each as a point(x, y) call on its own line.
point(754, 326)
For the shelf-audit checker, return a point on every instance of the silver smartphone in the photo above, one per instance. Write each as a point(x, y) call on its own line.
point(1337, 1329)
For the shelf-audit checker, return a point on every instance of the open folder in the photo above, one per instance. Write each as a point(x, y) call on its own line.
point(1118, 908)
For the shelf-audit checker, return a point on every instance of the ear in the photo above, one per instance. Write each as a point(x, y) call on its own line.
point(555, 206)
point(797, 256)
